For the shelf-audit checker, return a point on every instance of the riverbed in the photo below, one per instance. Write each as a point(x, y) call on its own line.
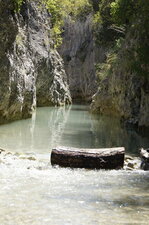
point(32, 192)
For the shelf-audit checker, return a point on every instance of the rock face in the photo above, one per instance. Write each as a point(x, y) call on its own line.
point(125, 90)
point(31, 71)
point(79, 54)
point(123, 95)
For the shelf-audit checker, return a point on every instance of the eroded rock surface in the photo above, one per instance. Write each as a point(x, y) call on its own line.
point(80, 54)
point(124, 89)
point(31, 71)
point(123, 95)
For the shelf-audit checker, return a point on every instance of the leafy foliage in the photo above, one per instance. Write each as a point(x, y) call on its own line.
point(137, 55)
point(129, 18)
point(125, 12)
point(105, 32)
point(105, 69)
point(121, 25)
point(61, 9)
point(122, 11)
point(17, 4)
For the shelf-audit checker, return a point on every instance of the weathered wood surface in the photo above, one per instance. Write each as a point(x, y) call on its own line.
point(144, 154)
point(106, 158)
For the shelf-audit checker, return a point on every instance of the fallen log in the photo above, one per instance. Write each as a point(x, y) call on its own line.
point(106, 158)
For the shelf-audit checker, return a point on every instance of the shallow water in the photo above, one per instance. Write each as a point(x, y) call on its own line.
point(34, 193)
point(59, 196)
point(71, 126)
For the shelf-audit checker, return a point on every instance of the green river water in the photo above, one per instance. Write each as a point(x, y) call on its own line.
point(34, 193)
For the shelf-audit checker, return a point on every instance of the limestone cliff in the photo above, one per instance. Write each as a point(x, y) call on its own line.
point(124, 76)
point(31, 71)
point(125, 91)
point(80, 55)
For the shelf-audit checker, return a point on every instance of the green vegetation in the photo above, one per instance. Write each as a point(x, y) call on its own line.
point(125, 12)
point(61, 9)
point(124, 29)
point(134, 16)
point(106, 31)
point(17, 4)
point(105, 69)
point(122, 11)
point(116, 22)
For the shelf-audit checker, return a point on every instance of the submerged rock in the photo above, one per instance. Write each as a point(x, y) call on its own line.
point(7, 157)
point(31, 71)
point(131, 163)
point(29, 157)
point(144, 154)
point(22, 161)
point(70, 159)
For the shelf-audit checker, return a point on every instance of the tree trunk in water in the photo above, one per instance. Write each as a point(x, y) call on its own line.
point(108, 158)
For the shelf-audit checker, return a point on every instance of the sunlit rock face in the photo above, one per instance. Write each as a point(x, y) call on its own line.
point(31, 71)
point(80, 55)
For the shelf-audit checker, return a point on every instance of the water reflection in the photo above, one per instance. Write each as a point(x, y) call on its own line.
point(108, 131)
point(58, 196)
point(71, 126)
point(38, 134)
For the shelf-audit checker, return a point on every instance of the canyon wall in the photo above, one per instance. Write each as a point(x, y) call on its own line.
point(124, 91)
point(80, 55)
point(31, 71)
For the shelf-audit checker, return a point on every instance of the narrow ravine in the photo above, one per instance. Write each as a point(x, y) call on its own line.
point(54, 54)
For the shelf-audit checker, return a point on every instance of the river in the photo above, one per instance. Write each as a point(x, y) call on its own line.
point(34, 193)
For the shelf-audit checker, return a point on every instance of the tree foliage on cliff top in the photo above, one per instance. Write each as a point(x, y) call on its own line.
point(129, 18)
point(61, 9)
point(125, 12)
point(133, 14)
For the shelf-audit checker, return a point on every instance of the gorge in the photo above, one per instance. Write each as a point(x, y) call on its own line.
point(32, 71)
point(73, 73)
